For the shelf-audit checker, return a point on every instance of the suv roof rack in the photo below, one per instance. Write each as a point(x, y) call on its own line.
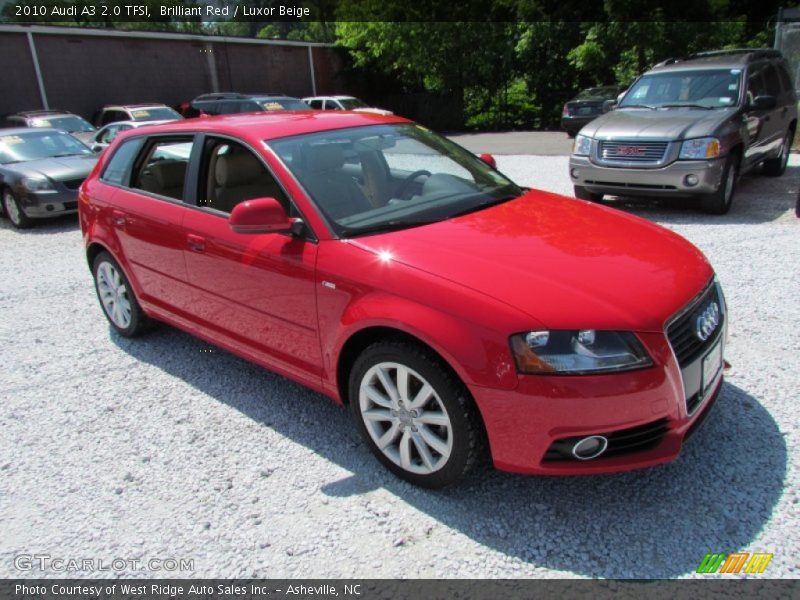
point(233, 96)
point(751, 53)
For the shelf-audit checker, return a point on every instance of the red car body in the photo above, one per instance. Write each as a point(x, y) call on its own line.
point(460, 286)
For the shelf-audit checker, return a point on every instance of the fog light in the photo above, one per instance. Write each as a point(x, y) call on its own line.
point(574, 173)
point(590, 447)
point(49, 208)
point(691, 180)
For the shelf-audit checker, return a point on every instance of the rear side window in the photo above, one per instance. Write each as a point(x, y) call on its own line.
point(783, 75)
point(118, 169)
point(771, 81)
point(162, 170)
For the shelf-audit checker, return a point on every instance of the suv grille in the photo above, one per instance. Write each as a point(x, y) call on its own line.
point(632, 152)
point(681, 332)
point(73, 184)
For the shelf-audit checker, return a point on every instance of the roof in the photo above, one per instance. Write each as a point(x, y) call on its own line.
point(137, 105)
point(717, 59)
point(28, 131)
point(41, 113)
point(273, 125)
point(238, 96)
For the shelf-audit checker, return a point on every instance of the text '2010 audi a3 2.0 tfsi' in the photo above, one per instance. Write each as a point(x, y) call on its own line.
point(382, 265)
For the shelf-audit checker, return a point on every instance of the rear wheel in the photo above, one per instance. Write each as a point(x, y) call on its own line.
point(774, 167)
point(14, 212)
point(584, 194)
point(415, 416)
point(719, 202)
point(117, 298)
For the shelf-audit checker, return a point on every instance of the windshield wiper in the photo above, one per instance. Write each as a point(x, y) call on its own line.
point(638, 106)
point(64, 155)
point(686, 105)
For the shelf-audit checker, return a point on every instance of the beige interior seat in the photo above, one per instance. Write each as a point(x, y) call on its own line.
point(164, 178)
point(336, 192)
point(240, 176)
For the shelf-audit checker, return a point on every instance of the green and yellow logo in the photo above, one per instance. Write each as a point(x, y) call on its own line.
point(738, 562)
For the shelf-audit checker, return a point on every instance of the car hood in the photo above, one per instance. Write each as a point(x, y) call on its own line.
point(57, 169)
point(670, 123)
point(84, 136)
point(564, 262)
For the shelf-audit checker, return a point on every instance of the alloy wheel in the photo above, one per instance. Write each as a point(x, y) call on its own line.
point(114, 295)
point(12, 209)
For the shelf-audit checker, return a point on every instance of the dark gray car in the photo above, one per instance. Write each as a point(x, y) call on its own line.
point(689, 128)
point(40, 173)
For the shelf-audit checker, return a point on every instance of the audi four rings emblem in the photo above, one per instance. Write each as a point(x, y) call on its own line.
point(707, 322)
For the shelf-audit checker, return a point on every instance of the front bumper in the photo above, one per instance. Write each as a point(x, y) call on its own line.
point(41, 205)
point(669, 180)
point(524, 425)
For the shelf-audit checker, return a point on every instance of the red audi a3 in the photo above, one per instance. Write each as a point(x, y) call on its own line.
point(392, 270)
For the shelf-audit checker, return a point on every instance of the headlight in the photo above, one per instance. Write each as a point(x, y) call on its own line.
point(700, 148)
point(582, 146)
point(37, 184)
point(577, 352)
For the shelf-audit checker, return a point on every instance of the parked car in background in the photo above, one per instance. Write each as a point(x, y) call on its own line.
point(56, 119)
point(689, 127)
point(343, 103)
point(105, 135)
point(226, 103)
point(587, 105)
point(40, 173)
point(134, 112)
point(396, 272)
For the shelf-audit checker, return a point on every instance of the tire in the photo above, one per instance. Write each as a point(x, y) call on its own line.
point(116, 297)
point(571, 133)
point(431, 442)
point(719, 202)
point(583, 194)
point(774, 167)
point(13, 211)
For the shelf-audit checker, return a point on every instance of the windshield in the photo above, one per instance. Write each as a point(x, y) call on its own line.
point(708, 88)
point(71, 124)
point(599, 92)
point(154, 113)
point(352, 103)
point(385, 177)
point(284, 104)
point(36, 145)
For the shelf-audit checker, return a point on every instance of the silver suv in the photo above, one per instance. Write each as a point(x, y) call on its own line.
point(688, 128)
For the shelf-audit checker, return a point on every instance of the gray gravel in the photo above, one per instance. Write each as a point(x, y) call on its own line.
point(166, 448)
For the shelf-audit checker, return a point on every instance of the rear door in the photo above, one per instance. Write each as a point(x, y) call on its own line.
point(147, 217)
point(758, 121)
point(258, 289)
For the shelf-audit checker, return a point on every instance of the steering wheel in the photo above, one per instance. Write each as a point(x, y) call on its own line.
point(401, 191)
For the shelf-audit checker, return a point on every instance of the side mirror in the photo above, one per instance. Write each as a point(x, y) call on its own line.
point(609, 105)
point(261, 215)
point(489, 160)
point(763, 103)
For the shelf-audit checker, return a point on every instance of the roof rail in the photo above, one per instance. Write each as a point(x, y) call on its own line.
point(752, 53)
point(666, 62)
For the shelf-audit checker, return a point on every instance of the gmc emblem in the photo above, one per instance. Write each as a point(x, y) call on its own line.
point(630, 150)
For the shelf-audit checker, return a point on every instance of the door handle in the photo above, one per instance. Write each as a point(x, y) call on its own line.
point(118, 218)
point(196, 243)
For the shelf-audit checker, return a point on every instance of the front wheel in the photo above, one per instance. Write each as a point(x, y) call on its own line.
point(415, 416)
point(14, 212)
point(117, 298)
point(583, 194)
point(719, 202)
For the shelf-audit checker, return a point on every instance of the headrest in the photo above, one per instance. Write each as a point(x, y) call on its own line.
point(323, 157)
point(169, 174)
point(237, 168)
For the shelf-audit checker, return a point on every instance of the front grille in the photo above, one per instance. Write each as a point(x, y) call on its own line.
point(682, 334)
point(632, 152)
point(624, 441)
point(73, 184)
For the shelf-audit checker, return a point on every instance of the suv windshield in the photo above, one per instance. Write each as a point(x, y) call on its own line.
point(707, 88)
point(387, 177)
point(22, 147)
point(154, 113)
point(71, 124)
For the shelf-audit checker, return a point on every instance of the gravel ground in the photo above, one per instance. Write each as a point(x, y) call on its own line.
point(163, 447)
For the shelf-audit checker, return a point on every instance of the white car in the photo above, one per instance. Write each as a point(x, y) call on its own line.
point(343, 103)
point(105, 135)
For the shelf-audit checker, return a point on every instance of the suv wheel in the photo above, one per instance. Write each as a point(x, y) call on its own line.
point(719, 202)
point(117, 298)
point(415, 417)
point(14, 212)
point(774, 167)
point(583, 194)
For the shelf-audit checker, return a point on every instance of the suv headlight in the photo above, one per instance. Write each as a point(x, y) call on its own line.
point(700, 148)
point(37, 184)
point(582, 145)
point(576, 352)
